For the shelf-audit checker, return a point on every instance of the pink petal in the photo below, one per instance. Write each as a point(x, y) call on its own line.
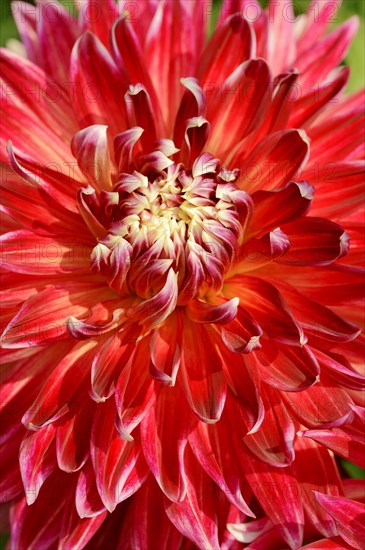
point(25, 17)
point(98, 17)
point(281, 29)
point(54, 55)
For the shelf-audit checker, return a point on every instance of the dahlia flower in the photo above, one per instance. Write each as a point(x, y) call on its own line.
point(181, 289)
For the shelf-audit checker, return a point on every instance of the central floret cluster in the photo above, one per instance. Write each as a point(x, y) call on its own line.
point(164, 216)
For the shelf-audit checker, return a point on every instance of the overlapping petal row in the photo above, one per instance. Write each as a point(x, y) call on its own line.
point(182, 286)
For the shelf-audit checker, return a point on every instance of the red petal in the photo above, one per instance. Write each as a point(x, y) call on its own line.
point(348, 442)
point(25, 17)
point(76, 532)
point(43, 317)
point(56, 396)
point(232, 43)
point(91, 149)
point(340, 370)
point(201, 374)
point(156, 309)
point(202, 312)
point(11, 485)
point(267, 306)
point(349, 515)
point(98, 86)
point(196, 516)
point(206, 442)
point(339, 187)
point(172, 57)
point(323, 403)
point(73, 436)
point(109, 360)
point(329, 544)
point(317, 21)
point(146, 525)
point(316, 62)
point(318, 321)
point(38, 526)
point(119, 465)
point(288, 368)
point(165, 350)
point(87, 498)
point(308, 107)
point(193, 105)
point(284, 507)
point(37, 460)
point(25, 252)
point(135, 390)
point(37, 116)
point(164, 432)
point(281, 31)
point(274, 208)
point(140, 113)
point(316, 470)
point(273, 443)
point(128, 52)
point(248, 85)
point(274, 161)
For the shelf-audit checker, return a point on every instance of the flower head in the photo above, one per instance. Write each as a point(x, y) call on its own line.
point(181, 293)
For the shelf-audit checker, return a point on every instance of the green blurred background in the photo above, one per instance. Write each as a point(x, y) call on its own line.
point(356, 56)
point(355, 59)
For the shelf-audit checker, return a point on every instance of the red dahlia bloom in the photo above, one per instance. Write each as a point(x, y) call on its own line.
point(181, 296)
